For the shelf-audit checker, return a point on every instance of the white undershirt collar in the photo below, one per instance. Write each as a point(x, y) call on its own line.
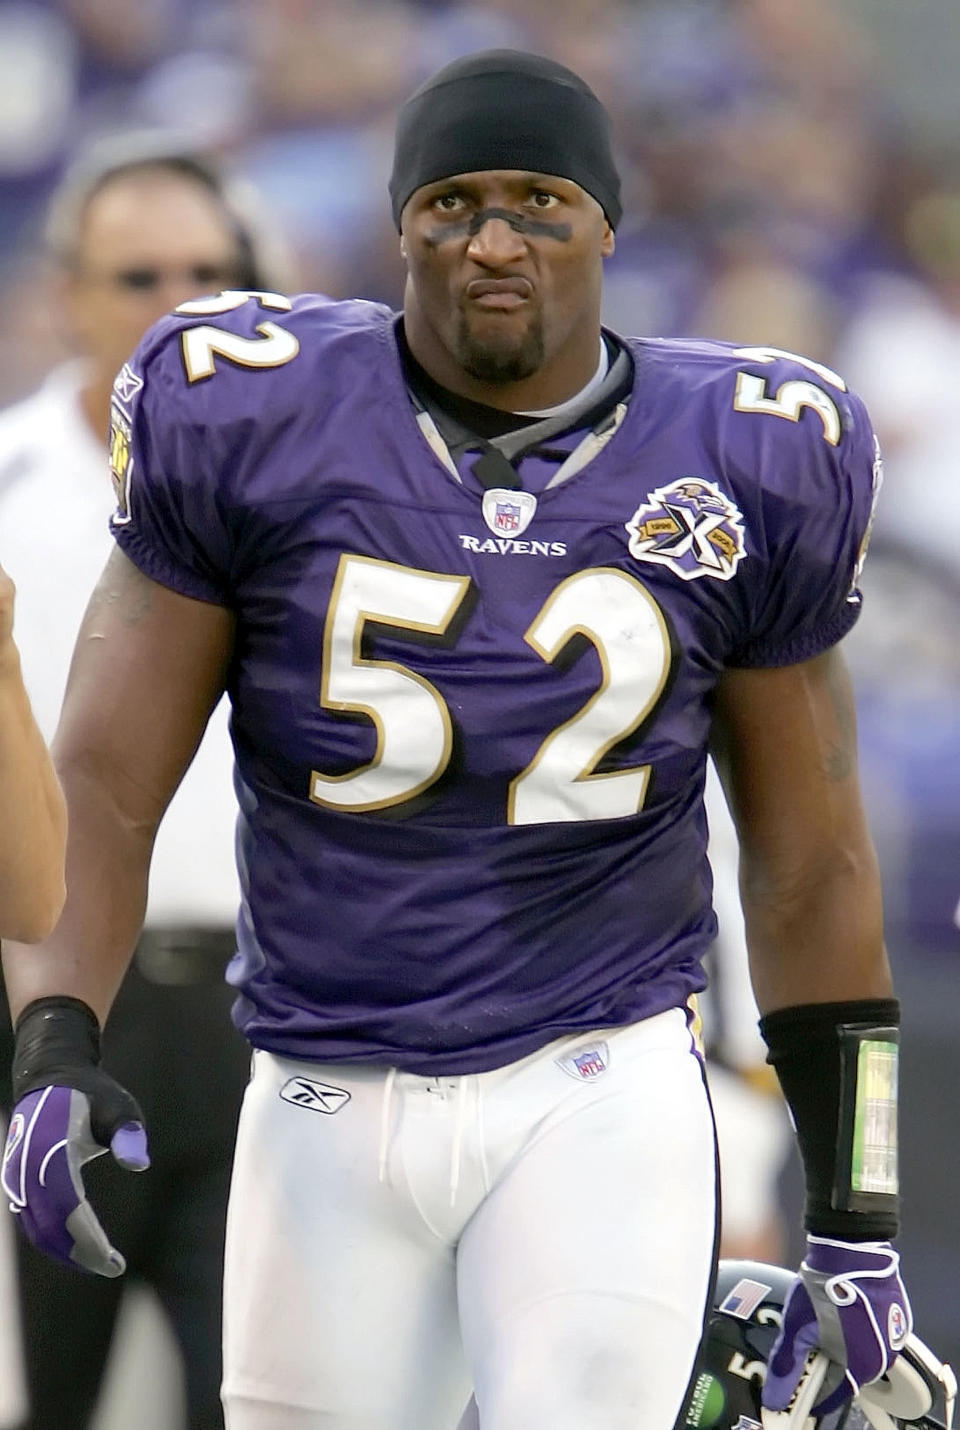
point(603, 366)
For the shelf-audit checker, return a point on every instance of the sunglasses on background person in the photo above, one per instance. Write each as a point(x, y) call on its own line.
point(210, 277)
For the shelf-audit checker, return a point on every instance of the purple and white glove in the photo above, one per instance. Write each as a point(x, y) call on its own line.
point(849, 1303)
point(68, 1111)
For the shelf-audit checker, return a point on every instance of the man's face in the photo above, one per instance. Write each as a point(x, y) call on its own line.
point(149, 240)
point(504, 273)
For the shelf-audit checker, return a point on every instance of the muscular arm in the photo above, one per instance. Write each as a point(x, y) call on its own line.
point(33, 827)
point(148, 668)
point(785, 744)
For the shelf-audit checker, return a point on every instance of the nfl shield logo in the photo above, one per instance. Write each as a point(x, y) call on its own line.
point(507, 512)
point(897, 1326)
point(585, 1064)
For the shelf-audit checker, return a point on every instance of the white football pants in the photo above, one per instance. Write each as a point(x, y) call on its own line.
point(543, 1232)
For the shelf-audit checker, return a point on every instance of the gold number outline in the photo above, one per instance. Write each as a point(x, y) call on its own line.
point(612, 686)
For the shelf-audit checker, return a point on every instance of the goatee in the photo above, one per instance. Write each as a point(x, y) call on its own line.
point(500, 360)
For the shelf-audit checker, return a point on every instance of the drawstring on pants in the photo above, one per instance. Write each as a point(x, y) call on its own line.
point(459, 1127)
point(385, 1104)
point(457, 1144)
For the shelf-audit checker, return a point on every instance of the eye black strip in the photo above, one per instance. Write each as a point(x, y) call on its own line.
point(471, 226)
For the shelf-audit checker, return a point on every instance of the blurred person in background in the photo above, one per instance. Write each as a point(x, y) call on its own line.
point(137, 226)
point(902, 348)
point(33, 830)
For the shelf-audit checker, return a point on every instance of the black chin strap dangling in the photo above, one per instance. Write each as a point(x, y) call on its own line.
point(492, 469)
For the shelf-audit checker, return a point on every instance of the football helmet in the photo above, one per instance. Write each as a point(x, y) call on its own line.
point(741, 1328)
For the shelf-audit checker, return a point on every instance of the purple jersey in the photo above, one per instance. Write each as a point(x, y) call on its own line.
point(471, 728)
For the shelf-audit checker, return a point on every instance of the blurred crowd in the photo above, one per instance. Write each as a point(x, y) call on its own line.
point(773, 195)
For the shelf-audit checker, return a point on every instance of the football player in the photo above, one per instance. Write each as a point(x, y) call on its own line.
point(484, 582)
